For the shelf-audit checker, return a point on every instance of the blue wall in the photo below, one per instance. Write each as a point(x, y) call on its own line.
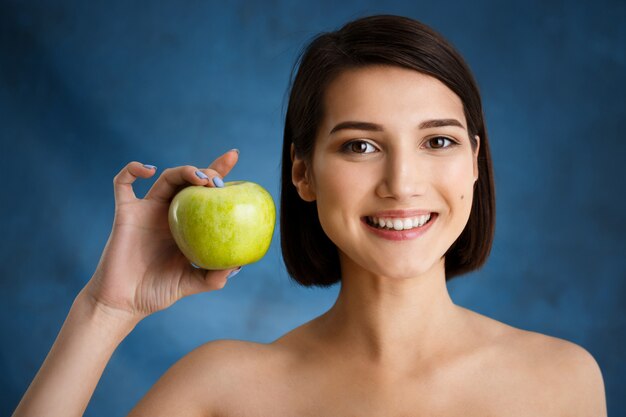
point(86, 86)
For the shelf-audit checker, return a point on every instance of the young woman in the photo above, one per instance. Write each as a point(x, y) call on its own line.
point(387, 189)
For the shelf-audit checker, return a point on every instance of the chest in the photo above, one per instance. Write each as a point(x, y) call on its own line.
point(330, 392)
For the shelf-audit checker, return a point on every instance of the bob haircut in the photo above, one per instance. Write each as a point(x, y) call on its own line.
point(310, 256)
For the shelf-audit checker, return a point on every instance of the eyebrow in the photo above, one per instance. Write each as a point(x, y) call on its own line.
point(426, 124)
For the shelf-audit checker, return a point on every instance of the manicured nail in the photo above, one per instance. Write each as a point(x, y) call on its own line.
point(233, 273)
point(149, 166)
point(236, 150)
point(218, 182)
point(201, 175)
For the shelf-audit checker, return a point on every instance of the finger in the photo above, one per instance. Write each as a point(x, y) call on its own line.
point(225, 163)
point(214, 177)
point(173, 180)
point(123, 181)
point(197, 281)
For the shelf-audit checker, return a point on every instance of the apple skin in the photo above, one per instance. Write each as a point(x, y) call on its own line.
point(225, 227)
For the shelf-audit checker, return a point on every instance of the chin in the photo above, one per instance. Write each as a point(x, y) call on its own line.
point(407, 270)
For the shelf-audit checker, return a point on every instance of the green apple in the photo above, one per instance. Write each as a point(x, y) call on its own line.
point(222, 228)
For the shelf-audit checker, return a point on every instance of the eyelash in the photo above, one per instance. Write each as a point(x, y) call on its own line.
point(345, 147)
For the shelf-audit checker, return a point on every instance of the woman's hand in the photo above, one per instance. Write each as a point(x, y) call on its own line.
point(141, 270)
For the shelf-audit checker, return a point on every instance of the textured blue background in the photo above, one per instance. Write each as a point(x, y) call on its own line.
point(86, 86)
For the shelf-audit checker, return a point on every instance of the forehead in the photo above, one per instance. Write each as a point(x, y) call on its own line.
point(390, 96)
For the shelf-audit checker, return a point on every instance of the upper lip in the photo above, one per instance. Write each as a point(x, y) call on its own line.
point(400, 213)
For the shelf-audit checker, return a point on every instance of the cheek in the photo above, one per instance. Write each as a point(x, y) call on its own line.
point(457, 184)
point(340, 194)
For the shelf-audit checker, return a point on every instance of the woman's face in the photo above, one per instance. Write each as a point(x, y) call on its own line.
point(403, 163)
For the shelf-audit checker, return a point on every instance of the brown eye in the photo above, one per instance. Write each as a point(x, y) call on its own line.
point(439, 142)
point(358, 146)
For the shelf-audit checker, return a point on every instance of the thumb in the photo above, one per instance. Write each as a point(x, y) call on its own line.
point(196, 281)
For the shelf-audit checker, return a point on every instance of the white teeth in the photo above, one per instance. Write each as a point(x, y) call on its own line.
point(400, 224)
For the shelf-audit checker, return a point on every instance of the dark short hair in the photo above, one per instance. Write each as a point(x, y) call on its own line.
point(310, 256)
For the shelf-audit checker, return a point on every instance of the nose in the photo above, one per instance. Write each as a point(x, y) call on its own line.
point(404, 176)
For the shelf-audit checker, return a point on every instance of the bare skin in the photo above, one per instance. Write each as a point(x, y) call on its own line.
point(141, 271)
point(492, 370)
point(394, 343)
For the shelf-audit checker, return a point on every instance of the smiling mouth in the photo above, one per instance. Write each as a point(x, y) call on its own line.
point(398, 224)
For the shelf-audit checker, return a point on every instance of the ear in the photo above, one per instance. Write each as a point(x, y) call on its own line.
point(475, 158)
point(300, 177)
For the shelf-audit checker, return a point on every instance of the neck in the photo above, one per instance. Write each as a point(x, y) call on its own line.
point(392, 322)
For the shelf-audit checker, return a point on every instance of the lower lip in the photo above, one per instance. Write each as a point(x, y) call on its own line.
point(401, 234)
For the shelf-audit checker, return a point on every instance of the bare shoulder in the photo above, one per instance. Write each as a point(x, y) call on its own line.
point(577, 373)
point(564, 370)
point(201, 380)
point(549, 375)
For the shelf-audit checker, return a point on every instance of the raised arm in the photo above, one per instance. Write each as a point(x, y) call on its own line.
point(69, 375)
point(141, 271)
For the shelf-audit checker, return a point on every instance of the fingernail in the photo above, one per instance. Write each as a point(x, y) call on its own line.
point(201, 175)
point(149, 166)
point(233, 273)
point(236, 150)
point(194, 265)
point(218, 182)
